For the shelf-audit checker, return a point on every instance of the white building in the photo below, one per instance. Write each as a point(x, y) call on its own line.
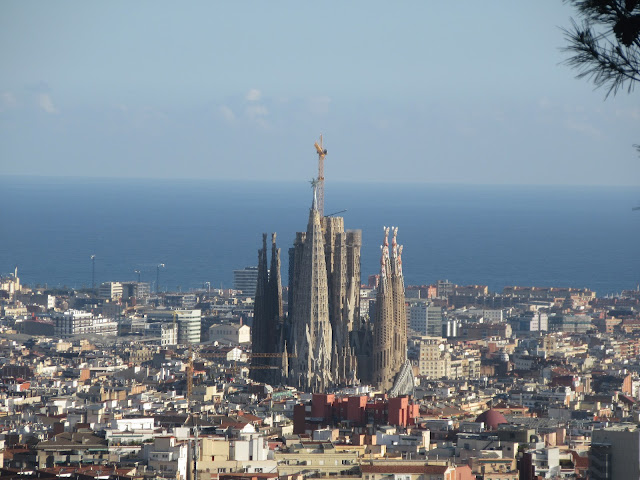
point(77, 322)
point(10, 283)
point(110, 290)
point(492, 316)
point(189, 323)
point(232, 334)
point(531, 322)
point(435, 359)
point(142, 423)
point(426, 319)
point(167, 457)
point(166, 332)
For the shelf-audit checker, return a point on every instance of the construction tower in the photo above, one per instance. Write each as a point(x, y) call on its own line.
point(322, 152)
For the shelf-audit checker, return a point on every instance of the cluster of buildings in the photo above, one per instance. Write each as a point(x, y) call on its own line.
point(325, 378)
point(324, 342)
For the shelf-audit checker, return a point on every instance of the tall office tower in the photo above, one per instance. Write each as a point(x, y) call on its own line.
point(391, 369)
point(310, 368)
point(426, 319)
point(614, 453)
point(246, 280)
point(267, 317)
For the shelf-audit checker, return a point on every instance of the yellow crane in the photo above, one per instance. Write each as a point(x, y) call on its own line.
point(322, 152)
point(189, 372)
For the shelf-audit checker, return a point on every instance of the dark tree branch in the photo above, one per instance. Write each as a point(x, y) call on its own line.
point(605, 47)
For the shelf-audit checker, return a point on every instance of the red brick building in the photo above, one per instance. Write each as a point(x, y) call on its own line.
point(327, 410)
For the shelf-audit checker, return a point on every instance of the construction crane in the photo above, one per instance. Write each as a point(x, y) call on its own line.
point(189, 372)
point(335, 213)
point(322, 152)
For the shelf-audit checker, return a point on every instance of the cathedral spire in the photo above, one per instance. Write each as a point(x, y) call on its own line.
point(384, 260)
point(390, 324)
point(314, 203)
point(312, 333)
point(265, 333)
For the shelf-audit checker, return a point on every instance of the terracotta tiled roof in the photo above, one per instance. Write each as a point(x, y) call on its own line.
point(404, 468)
point(580, 461)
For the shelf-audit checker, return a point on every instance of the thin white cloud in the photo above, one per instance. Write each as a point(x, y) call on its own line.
point(8, 99)
point(45, 103)
point(257, 111)
point(227, 114)
point(258, 114)
point(319, 105)
point(253, 95)
point(544, 103)
point(630, 113)
point(381, 123)
point(583, 127)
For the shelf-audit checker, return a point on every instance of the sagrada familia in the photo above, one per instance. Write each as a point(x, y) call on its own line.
point(323, 344)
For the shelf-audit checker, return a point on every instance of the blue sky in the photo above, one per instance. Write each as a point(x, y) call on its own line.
point(415, 91)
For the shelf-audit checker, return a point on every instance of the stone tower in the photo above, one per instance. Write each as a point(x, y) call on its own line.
point(383, 355)
point(389, 351)
point(325, 258)
point(266, 335)
point(310, 368)
point(399, 305)
point(342, 259)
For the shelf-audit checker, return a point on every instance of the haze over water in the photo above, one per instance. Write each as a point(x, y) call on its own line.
point(203, 230)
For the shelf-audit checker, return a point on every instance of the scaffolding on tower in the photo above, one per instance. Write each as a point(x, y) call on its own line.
point(322, 152)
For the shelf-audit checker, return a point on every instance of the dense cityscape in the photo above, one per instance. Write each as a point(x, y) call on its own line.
point(475, 315)
point(330, 376)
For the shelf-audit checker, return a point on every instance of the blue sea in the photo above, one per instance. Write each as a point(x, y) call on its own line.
point(203, 230)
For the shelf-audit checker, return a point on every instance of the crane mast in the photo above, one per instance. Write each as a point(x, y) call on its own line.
point(322, 152)
point(189, 372)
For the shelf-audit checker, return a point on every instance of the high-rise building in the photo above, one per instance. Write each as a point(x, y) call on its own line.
point(425, 319)
point(110, 290)
point(246, 280)
point(435, 358)
point(77, 322)
point(135, 289)
point(531, 322)
point(444, 288)
point(189, 323)
point(614, 453)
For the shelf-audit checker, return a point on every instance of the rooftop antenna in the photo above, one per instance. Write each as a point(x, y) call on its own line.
point(322, 152)
point(93, 272)
point(158, 267)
